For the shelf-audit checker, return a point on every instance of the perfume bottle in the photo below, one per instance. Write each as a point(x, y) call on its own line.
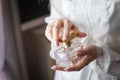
point(65, 56)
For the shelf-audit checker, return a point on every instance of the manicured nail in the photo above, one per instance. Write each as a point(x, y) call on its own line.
point(52, 68)
point(66, 68)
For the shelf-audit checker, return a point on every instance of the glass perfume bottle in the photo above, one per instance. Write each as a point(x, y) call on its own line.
point(64, 56)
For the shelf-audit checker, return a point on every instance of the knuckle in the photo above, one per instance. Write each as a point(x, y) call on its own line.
point(67, 21)
point(57, 23)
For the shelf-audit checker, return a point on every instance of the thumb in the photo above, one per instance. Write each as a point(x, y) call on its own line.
point(81, 34)
point(81, 52)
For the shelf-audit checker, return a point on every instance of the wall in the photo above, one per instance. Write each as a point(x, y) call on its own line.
point(37, 54)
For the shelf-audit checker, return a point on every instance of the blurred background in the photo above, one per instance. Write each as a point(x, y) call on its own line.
point(26, 47)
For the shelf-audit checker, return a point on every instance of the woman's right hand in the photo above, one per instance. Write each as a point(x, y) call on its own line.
point(60, 30)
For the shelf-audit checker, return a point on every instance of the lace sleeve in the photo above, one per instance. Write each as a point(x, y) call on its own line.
point(108, 60)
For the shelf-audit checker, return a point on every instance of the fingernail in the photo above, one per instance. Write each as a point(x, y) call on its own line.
point(66, 68)
point(52, 68)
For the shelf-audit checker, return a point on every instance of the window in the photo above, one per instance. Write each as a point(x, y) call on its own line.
point(31, 9)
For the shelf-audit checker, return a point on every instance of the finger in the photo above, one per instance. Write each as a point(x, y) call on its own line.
point(85, 50)
point(82, 52)
point(66, 29)
point(75, 59)
point(72, 68)
point(48, 31)
point(56, 30)
point(84, 61)
point(80, 34)
point(56, 67)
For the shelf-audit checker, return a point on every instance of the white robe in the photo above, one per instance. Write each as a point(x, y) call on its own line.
point(100, 19)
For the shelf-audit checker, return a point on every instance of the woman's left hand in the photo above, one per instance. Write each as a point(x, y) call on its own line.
point(88, 54)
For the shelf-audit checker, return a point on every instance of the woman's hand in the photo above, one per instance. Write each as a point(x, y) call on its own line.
point(88, 54)
point(61, 29)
